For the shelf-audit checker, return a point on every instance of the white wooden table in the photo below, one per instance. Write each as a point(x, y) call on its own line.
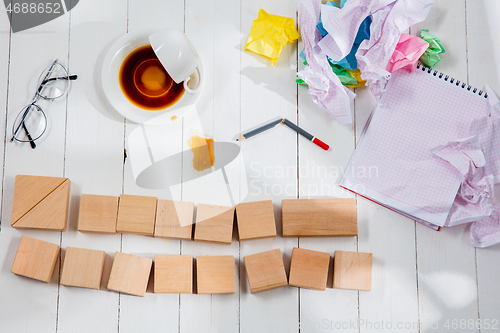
point(420, 276)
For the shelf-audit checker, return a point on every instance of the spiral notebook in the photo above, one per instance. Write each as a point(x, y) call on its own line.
point(393, 164)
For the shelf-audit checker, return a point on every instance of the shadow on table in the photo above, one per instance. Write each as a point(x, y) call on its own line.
point(87, 57)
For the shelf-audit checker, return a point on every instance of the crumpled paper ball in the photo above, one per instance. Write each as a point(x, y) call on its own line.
point(407, 52)
point(270, 34)
point(431, 56)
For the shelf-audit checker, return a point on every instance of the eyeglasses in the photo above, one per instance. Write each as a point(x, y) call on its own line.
point(31, 122)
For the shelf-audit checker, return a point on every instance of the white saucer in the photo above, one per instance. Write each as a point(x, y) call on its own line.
point(111, 86)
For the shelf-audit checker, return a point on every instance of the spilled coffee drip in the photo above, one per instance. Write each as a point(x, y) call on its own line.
point(145, 82)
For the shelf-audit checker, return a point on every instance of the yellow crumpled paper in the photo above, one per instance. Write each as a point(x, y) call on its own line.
point(356, 73)
point(270, 34)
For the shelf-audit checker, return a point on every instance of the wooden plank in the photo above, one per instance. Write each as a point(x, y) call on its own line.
point(265, 271)
point(320, 172)
point(213, 27)
point(173, 274)
point(215, 274)
point(130, 274)
point(29, 191)
point(270, 164)
point(214, 223)
point(255, 220)
point(448, 250)
point(484, 68)
point(136, 215)
point(47, 159)
point(94, 157)
point(174, 219)
point(98, 213)
point(82, 268)
point(35, 259)
point(352, 270)
point(319, 217)
point(309, 269)
point(51, 213)
point(153, 312)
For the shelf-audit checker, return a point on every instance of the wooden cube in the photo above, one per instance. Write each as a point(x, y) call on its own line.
point(265, 271)
point(136, 215)
point(173, 274)
point(352, 270)
point(82, 268)
point(40, 202)
point(319, 217)
point(35, 259)
point(309, 269)
point(255, 220)
point(174, 219)
point(130, 274)
point(215, 274)
point(98, 213)
point(214, 224)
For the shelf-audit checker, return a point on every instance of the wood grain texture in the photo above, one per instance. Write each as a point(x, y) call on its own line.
point(29, 191)
point(35, 259)
point(309, 269)
point(47, 159)
point(129, 274)
point(138, 314)
point(319, 217)
point(215, 274)
point(214, 223)
point(483, 34)
point(265, 271)
point(352, 270)
point(51, 213)
point(93, 158)
point(448, 252)
point(174, 219)
point(82, 268)
point(270, 162)
point(136, 215)
point(98, 213)
point(86, 145)
point(173, 274)
point(255, 220)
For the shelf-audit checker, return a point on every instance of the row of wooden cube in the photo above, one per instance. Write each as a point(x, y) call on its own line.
point(129, 274)
point(174, 219)
point(42, 203)
point(309, 269)
point(174, 273)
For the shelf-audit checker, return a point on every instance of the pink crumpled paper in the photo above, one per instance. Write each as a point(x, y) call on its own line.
point(408, 50)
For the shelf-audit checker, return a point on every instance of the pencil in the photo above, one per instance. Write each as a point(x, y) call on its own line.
point(260, 130)
point(305, 134)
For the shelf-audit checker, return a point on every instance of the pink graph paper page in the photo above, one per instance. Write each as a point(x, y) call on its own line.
point(393, 163)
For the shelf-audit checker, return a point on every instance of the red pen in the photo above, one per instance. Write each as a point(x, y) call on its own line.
point(305, 134)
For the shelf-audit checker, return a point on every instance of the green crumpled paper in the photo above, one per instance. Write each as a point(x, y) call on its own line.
point(270, 34)
point(431, 56)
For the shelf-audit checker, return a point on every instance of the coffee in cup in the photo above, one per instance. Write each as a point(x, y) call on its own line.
point(146, 83)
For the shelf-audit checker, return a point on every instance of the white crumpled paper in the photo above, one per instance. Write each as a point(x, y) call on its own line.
point(477, 160)
point(325, 87)
point(390, 19)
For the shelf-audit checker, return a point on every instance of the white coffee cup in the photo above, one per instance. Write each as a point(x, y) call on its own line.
point(178, 57)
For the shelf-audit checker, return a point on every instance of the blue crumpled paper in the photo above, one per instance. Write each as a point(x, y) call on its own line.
point(349, 62)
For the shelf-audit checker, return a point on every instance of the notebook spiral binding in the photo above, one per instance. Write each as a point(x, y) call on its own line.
point(452, 80)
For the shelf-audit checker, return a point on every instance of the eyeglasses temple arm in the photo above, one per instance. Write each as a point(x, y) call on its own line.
point(21, 123)
point(32, 142)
